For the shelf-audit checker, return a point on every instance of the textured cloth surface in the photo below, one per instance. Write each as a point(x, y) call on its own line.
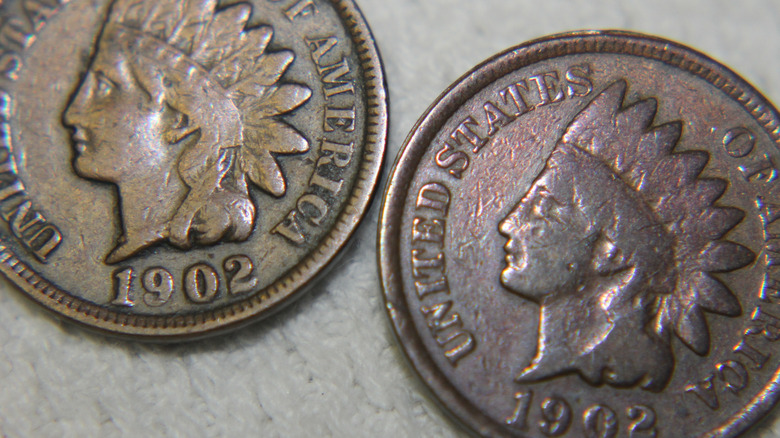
point(329, 365)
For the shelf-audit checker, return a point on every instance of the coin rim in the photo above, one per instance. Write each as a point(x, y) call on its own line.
point(445, 106)
point(283, 291)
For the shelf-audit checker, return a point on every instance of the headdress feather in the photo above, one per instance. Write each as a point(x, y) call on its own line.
point(234, 57)
point(670, 184)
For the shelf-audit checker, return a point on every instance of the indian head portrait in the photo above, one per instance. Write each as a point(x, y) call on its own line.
point(178, 109)
point(619, 241)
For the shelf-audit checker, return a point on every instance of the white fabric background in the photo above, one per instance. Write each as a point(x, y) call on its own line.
point(328, 365)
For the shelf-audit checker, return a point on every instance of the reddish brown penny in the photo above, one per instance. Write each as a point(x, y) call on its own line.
point(579, 240)
point(177, 168)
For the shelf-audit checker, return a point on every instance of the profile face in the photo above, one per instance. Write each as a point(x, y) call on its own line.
point(545, 249)
point(117, 129)
point(181, 124)
point(603, 243)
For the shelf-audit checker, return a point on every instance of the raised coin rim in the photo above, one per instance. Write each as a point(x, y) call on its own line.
point(427, 127)
point(290, 286)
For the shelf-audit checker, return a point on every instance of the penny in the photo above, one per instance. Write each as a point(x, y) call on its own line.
point(580, 239)
point(175, 168)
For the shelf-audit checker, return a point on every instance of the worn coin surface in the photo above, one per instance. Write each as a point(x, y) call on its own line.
point(580, 239)
point(173, 168)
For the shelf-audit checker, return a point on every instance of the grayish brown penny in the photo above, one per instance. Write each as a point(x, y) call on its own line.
point(173, 168)
point(580, 239)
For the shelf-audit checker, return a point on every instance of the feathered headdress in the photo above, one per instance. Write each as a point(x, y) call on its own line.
point(211, 67)
point(641, 156)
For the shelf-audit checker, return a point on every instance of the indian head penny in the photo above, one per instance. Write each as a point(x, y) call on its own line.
point(174, 168)
point(580, 239)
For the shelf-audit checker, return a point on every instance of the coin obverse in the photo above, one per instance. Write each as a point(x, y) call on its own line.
point(175, 168)
point(580, 239)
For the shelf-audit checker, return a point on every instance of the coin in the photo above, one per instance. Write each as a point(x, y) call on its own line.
point(580, 239)
point(176, 168)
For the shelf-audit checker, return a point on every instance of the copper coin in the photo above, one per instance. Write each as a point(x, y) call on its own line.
point(580, 239)
point(174, 168)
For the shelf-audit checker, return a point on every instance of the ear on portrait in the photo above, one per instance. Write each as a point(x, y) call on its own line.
point(177, 126)
point(608, 259)
point(161, 90)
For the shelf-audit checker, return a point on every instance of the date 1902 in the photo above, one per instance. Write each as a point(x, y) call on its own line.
point(200, 283)
point(598, 421)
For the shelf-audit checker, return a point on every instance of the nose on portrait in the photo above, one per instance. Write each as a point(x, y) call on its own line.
point(511, 224)
point(505, 227)
point(75, 112)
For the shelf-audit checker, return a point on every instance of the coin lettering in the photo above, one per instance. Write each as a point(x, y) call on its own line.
point(243, 279)
point(327, 180)
point(510, 103)
point(429, 271)
point(600, 422)
point(519, 417)
point(739, 142)
point(19, 30)
point(299, 9)
point(643, 422)
point(556, 416)
point(158, 286)
point(36, 233)
point(123, 281)
point(201, 283)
